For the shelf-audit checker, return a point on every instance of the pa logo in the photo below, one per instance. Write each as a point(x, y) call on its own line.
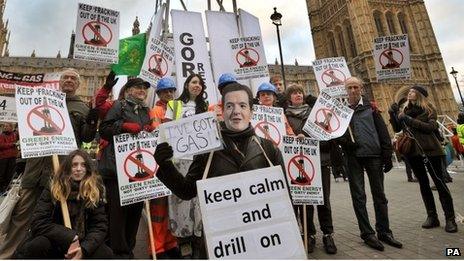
point(453, 251)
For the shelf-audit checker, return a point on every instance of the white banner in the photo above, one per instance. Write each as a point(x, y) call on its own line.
point(158, 61)
point(391, 56)
point(303, 166)
point(9, 80)
point(8, 109)
point(248, 57)
point(192, 135)
point(331, 74)
point(191, 53)
point(43, 122)
point(249, 215)
point(97, 34)
point(328, 119)
point(269, 123)
point(137, 167)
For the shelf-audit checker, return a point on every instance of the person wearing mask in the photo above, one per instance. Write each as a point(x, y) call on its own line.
point(38, 171)
point(297, 113)
point(128, 115)
point(224, 80)
point(82, 188)
point(419, 118)
point(8, 154)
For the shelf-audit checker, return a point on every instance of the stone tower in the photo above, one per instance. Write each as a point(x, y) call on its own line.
point(348, 27)
point(4, 33)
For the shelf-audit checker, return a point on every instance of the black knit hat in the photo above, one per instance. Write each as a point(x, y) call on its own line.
point(420, 89)
point(137, 82)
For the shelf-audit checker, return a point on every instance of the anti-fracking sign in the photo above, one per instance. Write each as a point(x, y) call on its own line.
point(249, 215)
point(248, 57)
point(158, 62)
point(43, 121)
point(269, 123)
point(329, 118)
point(391, 55)
point(9, 80)
point(136, 167)
point(8, 109)
point(302, 164)
point(331, 74)
point(97, 34)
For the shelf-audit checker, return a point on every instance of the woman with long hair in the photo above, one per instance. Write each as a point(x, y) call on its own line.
point(419, 119)
point(82, 188)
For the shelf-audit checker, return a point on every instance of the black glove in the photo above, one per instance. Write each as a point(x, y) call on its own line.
point(404, 118)
point(92, 117)
point(394, 108)
point(387, 164)
point(110, 80)
point(163, 154)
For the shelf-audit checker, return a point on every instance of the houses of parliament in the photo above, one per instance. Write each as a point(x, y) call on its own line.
point(338, 27)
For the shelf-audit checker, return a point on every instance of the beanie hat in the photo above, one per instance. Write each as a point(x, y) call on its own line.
point(420, 89)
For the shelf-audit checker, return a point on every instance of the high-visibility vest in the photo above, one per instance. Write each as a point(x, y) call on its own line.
point(176, 107)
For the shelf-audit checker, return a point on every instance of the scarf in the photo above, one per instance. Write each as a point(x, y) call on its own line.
point(413, 110)
point(76, 210)
point(138, 104)
point(297, 111)
point(237, 142)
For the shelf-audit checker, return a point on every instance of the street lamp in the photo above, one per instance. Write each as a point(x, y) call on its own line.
point(275, 17)
point(455, 75)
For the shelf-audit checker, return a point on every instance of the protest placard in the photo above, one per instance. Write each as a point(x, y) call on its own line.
point(192, 135)
point(391, 56)
point(303, 167)
point(8, 109)
point(97, 34)
point(328, 119)
point(136, 167)
point(269, 123)
point(158, 62)
point(248, 56)
point(249, 215)
point(9, 80)
point(331, 74)
point(43, 122)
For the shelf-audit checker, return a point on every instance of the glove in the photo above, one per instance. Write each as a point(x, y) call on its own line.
point(163, 154)
point(388, 164)
point(92, 117)
point(131, 127)
point(394, 108)
point(110, 80)
point(148, 128)
point(404, 118)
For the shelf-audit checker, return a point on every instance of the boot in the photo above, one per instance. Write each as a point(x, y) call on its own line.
point(329, 244)
point(451, 226)
point(431, 222)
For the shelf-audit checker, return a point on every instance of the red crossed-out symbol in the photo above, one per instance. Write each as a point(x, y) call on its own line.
point(268, 131)
point(46, 124)
point(247, 57)
point(97, 33)
point(301, 170)
point(158, 65)
point(327, 120)
point(135, 165)
point(391, 58)
point(333, 77)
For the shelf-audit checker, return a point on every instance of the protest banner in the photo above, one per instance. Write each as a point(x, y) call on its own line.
point(269, 123)
point(328, 119)
point(391, 56)
point(8, 109)
point(249, 215)
point(303, 166)
point(8, 80)
point(136, 167)
point(191, 53)
point(43, 122)
point(331, 74)
point(158, 61)
point(97, 34)
point(248, 57)
point(192, 135)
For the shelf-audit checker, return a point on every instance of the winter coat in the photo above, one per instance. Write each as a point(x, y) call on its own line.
point(8, 145)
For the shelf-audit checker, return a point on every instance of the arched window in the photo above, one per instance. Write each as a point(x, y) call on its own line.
point(378, 23)
point(351, 40)
point(341, 41)
point(391, 25)
point(332, 45)
point(402, 22)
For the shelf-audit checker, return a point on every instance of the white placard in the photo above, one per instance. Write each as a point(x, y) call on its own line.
point(97, 34)
point(328, 119)
point(136, 167)
point(158, 61)
point(248, 57)
point(249, 215)
point(43, 122)
point(391, 55)
point(269, 123)
point(303, 167)
point(8, 109)
point(331, 74)
point(192, 135)
point(9, 80)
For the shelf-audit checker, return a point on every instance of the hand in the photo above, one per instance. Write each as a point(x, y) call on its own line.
point(74, 250)
point(92, 117)
point(388, 164)
point(148, 128)
point(163, 154)
point(110, 80)
point(131, 127)
point(405, 118)
point(394, 108)
point(300, 136)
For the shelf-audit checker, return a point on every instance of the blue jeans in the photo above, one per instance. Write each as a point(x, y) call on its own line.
point(374, 169)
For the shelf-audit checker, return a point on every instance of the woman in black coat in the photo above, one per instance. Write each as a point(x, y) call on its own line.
point(83, 190)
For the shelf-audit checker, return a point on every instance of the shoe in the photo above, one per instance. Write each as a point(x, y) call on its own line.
point(373, 242)
point(431, 222)
point(311, 244)
point(390, 240)
point(451, 226)
point(329, 244)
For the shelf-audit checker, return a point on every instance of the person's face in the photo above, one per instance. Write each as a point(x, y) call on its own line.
point(266, 98)
point(138, 92)
point(296, 98)
point(78, 168)
point(8, 127)
point(166, 95)
point(354, 91)
point(412, 95)
point(69, 82)
point(237, 111)
point(194, 87)
point(279, 85)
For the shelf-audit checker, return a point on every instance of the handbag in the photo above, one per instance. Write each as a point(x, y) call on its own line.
point(404, 143)
point(8, 204)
